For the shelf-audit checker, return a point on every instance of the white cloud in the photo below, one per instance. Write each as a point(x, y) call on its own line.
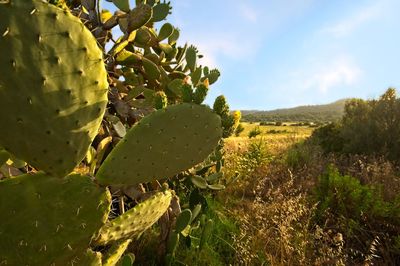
point(324, 77)
point(355, 21)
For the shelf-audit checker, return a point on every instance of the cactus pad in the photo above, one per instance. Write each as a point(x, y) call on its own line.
point(162, 144)
point(135, 221)
point(115, 253)
point(50, 220)
point(53, 85)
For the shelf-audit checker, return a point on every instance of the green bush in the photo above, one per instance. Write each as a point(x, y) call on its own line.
point(344, 196)
point(254, 132)
point(239, 130)
point(369, 127)
point(360, 213)
point(329, 137)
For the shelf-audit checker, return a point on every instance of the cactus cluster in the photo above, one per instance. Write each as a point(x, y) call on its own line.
point(59, 92)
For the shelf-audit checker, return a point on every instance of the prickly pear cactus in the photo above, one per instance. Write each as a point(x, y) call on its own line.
point(115, 253)
point(162, 144)
point(136, 220)
point(53, 85)
point(53, 95)
point(49, 220)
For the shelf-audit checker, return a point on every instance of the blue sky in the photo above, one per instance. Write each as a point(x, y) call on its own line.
point(284, 53)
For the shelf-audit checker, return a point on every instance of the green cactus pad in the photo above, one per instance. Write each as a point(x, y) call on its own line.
point(161, 11)
point(174, 36)
point(183, 220)
point(220, 106)
point(162, 144)
point(166, 30)
point(200, 93)
point(139, 16)
point(49, 220)
point(53, 85)
point(191, 58)
point(122, 4)
point(187, 93)
point(151, 69)
point(115, 253)
point(135, 221)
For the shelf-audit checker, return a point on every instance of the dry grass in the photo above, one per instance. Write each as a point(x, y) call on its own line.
point(272, 202)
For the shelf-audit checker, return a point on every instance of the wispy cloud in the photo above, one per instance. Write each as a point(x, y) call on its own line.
point(323, 77)
point(355, 21)
point(224, 45)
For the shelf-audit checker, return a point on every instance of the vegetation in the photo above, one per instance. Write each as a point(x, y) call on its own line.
point(110, 157)
point(254, 132)
point(368, 127)
point(312, 113)
point(102, 142)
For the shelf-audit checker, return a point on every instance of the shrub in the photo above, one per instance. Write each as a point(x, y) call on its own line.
point(239, 130)
point(329, 138)
point(344, 196)
point(368, 127)
point(369, 224)
point(254, 132)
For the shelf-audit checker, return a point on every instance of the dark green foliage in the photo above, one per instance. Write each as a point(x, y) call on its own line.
point(239, 130)
point(254, 132)
point(228, 125)
point(220, 106)
point(275, 131)
point(359, 212)
point(345, 197)
point(329, 137)
point(368, 127)
point(323, 113)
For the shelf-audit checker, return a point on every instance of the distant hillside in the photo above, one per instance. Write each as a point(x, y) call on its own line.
point(308, 113)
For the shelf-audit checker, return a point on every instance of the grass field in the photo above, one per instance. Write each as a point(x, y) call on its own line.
point(282, 137)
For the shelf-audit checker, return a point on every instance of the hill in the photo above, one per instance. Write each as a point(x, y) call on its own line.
point(307, 113)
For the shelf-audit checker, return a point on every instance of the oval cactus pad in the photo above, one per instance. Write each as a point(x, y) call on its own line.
point(49, 220)
point(162, 144)
point(135, 221)
point(53, 85)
